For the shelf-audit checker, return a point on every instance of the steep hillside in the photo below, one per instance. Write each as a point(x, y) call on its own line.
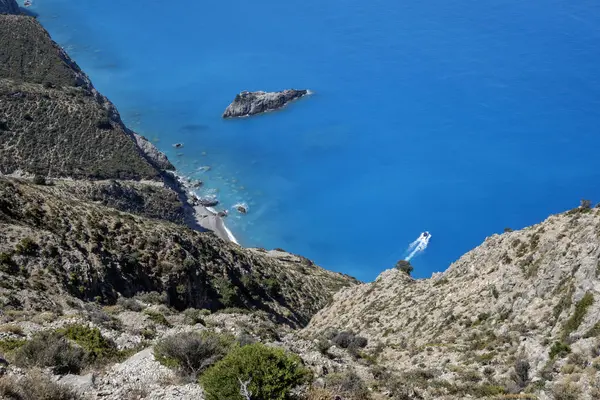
point(529, 297)
point(52, 244)
point(52, 120)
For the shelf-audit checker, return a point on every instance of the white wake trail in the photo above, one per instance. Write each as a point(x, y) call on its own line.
point(418, 246)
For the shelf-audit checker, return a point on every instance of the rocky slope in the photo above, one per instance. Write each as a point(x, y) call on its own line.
point(53, 122)
point(54, 244)
point(530, 296)
point(251, 103)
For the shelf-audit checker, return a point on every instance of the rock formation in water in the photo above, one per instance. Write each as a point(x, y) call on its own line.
point(251, 103)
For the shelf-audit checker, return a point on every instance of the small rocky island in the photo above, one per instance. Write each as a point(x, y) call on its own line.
point(251, 103)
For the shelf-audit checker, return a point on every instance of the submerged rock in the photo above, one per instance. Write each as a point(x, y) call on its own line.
point(250, 103)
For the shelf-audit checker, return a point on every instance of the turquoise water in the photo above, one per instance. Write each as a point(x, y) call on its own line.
point(458, 117)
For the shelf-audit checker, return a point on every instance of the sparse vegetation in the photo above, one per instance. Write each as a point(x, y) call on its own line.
point(580, 311)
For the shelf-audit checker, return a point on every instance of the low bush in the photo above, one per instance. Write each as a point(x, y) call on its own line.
point(521, 373)
point(348, 385)
point(9, 344)
point(323, 345)
point(566, 391)
point(348, 340)
point(559, 349)
point(152, 297)
point(51, 350)
point(27, 247)
point(193, 316)
point(404, 266)
point(34, 387)
point(270, 374)
point(129, 304)
point(157, 317)
point(273, 287)
point(192, 352)
point(97, 347)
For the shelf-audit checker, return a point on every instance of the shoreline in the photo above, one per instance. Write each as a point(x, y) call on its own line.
point(199, 217)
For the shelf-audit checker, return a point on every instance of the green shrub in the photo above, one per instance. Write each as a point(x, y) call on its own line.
point(8, 345)
point(91, 340)
point(39, 180)
point(157, 317)
point(7, 264)
point(34, 387)
point(193, 316)
point(559, 349)
point(192, 352)
point(51, 349)
point(26, 247)
point(228, 292)
point(273, 287)
point(323, 345)
point(271, 373)
point(580, 311)
point(404, 266)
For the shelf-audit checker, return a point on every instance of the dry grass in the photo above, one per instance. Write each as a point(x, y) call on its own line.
point(34, 386)
point(14, 329)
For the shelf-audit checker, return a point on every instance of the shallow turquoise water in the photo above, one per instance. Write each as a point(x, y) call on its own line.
point(457, 117)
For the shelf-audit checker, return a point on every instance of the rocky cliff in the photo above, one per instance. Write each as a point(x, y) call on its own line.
point(529, 297)
point(53, 122)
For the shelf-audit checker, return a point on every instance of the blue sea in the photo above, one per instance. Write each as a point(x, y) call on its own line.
point(458, 117)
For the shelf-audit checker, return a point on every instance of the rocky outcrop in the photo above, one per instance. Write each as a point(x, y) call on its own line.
point(250, 103)
point(9, 7)
point(530, 295)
